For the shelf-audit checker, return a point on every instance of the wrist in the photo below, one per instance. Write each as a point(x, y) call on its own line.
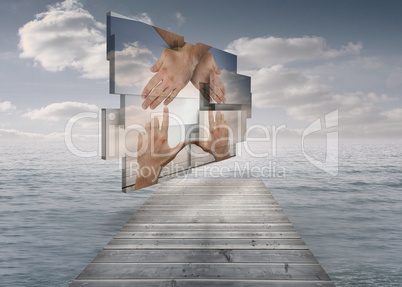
point(219, 158)
point(200, 50)
point(196, 52)
point(146, 176)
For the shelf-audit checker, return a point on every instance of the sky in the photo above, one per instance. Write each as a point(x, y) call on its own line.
point(305, 58)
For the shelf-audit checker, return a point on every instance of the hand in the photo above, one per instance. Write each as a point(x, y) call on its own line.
point(218, 141)
point(207, 72)
point(154, 152)
point(174, 70)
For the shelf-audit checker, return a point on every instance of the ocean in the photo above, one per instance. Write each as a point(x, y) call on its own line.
point(57, 210)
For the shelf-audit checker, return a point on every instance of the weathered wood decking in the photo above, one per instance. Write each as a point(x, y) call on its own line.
point(206, 232)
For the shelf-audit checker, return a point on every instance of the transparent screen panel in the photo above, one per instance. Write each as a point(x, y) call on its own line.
point(132, 49)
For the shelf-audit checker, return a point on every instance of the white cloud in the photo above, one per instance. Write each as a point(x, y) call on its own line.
point(66, 36)
point(12, 134)
point(349, 49)
point(267, 51)
point(394, 115)
point(304, 95)
point(133, 60)
point(179, 18)
point(6, 106)
point(61, 111)
point(143, 17)
point(394, 79)
point(278, 86)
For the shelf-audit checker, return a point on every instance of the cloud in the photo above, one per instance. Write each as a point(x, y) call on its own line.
point(143, 17)
point(278, 86)
point(394, 79)
point(394, 115)
point(133, 60)
point(305, 95)
point(61, 111)
point(66, 36)
point(179, 18)
point(12, 134)
point(6, 106)
point(267, 51)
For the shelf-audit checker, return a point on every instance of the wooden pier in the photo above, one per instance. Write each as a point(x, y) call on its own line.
point(206, 232)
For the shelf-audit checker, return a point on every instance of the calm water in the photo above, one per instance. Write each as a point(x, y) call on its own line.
point(57, 211)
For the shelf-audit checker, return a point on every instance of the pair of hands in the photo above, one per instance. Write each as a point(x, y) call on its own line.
point(157, 153)
point(174, 69)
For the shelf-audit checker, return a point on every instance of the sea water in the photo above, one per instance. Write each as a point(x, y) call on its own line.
point(58, 210)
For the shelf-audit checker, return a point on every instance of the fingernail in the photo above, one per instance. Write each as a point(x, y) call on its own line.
point(144, 106)
point(152, 107)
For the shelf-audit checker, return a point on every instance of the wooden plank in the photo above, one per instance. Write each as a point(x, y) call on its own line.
point(203, 234)
point(208, 219)
point(207, 232)
point(206, 212)
point(211, 201)
point(205, 255)
point(261, 271)
point(142, 243)
point(209, 227)
point(210, 198)
point(211, 207)
point(200, 283)
point(221, 190)
point(218, 183)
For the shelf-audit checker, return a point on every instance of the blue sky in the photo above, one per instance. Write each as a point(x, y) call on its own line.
point(306, 59)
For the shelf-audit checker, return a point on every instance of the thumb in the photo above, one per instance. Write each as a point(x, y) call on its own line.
point(201, 144)
point(155, 68)
point(178, 148)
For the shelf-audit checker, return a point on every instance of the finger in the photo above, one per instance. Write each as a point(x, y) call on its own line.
point(139, 141)
point(174, 151)
point(211, 119)
point(160, 98)
point(215, 67)
point(221, 86)
point(148, 128)
point(201, 144)
point(152, 83)
point(153, 96)
point(213, 95)
point(156, 124)
point(226, 131)
point(155, 68)
point(218, 117)
point(215, 91)
point(165, 121)
point(171, 97)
